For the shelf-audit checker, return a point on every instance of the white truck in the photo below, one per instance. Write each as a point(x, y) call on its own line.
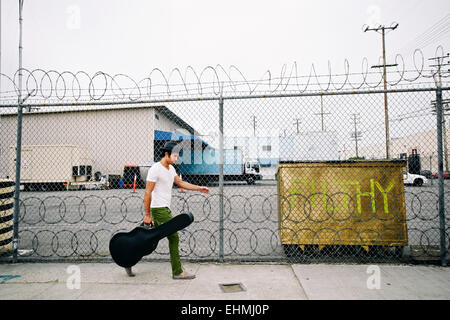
point(202, 167)
point(206, 170)
point(56, 167)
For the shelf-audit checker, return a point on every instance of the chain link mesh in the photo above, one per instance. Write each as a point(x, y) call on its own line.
point(306, 178)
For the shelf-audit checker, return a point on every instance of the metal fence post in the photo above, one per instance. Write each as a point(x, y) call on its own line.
point(19, 145)
point(17, 183)
point(439, 117)
point(221, 179)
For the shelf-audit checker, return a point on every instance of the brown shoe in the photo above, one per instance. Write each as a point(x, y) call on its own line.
point(184, 276)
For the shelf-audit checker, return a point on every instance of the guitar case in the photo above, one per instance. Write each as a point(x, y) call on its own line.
point(128, 248)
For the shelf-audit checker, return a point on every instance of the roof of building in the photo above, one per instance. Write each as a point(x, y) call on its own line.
point(63, 109)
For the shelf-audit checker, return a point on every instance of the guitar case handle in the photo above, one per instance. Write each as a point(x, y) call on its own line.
point(147, 226)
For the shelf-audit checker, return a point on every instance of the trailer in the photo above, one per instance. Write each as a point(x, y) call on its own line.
point(56, 167)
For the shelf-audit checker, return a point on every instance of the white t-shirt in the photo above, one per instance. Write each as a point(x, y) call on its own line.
point(162, 193)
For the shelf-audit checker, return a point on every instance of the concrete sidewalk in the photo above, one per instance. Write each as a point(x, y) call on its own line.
point(56, 281)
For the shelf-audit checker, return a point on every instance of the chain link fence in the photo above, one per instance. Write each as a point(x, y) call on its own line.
point(310, 177)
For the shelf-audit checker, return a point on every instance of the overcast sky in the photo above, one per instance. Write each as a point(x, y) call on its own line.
point(133, 37)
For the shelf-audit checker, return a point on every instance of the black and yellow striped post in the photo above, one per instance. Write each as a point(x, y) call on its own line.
point(6, 216)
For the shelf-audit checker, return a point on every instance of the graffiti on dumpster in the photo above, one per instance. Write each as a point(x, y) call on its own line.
point(298, 186)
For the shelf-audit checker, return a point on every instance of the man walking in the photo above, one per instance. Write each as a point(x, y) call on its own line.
point(157, 199)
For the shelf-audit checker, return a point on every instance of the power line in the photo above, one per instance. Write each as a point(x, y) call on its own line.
point(413, 112)
point(426, 34)
point(435, 37)
point(438, 27)
point(439, 65)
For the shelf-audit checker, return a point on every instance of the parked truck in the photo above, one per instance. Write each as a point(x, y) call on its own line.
point(203, 166)
point(56, 167)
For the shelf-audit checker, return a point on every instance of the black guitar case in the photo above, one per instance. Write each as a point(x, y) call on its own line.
point(127, 248)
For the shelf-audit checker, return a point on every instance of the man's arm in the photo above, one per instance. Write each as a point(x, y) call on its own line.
point(147, 201)
point(189, 186)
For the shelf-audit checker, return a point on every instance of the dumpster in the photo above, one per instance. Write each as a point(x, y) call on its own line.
point(6, 215)
point(350, 203)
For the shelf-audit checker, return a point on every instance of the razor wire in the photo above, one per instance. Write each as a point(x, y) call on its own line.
point(51, 86)
point(79, 227)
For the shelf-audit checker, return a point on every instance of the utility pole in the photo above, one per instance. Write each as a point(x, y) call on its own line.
point(356, 135)
point(384, 66)
point(321, 113)
point(297, 122)
point(445, 111)
point(444, 105)
point(254, 126)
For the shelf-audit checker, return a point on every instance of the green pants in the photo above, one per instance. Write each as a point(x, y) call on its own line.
point(159, 216)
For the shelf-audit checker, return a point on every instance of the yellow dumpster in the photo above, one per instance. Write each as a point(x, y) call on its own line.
point(342, 203)
point(6, 215)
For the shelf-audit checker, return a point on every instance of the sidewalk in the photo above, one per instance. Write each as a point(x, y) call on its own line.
point(56, 281)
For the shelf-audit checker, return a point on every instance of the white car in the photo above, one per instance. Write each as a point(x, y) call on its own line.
point(414, 179)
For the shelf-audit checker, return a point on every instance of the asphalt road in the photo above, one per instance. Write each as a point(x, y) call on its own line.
point(79, 224)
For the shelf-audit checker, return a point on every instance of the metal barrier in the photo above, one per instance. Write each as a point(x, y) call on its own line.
point(69, 206)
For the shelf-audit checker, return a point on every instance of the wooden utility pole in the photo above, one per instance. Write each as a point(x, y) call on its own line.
point(321, 114)
point(356, 135)
point(438, 80)
point(384, 66)
point(297, 122)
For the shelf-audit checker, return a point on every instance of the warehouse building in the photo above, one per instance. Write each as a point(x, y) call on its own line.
point(424, 144)
point(118, 135)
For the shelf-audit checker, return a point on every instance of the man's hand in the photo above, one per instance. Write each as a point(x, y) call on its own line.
point(204, 190)
point(148, 220)
point(189, 186)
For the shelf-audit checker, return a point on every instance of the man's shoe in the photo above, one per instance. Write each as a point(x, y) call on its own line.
point(184, 276)
point(129, 272)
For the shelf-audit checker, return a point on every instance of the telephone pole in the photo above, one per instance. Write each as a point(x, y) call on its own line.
point(254, 126)
point(297, 122)
point(384, 66)
point(444, 106)
point(356, 135)
point(321, 114)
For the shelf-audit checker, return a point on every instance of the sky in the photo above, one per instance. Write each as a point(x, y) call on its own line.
point(134, 37)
